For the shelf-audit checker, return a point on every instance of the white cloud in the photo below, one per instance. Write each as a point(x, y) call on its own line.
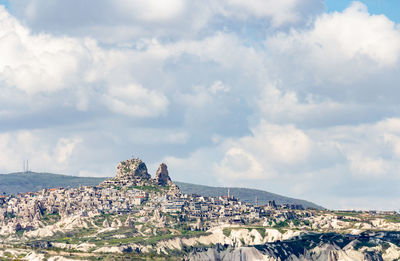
point(228, 50)
point(283, 105)
point(367, 166)
point(280, 144)
point(134, 100)
point(35, 63)
point(239, 164)
point(196, 167)
point(188, 82)
point(201, 96)
point(70, 72)
point(154, 136)
point(280, 12)
point(151, 10)
point(340, 47)
point(43, 152)
point(114, 21)
point(300, 162)
point(218, 86)
point(255, 157)
point(64, 149)
point(121, 21)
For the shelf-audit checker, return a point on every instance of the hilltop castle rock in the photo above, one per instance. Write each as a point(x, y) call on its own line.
point(133, 172)
point(162, 176)
point(132, 169)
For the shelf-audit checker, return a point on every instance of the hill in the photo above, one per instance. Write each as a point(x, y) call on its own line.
point(244, 194)
point(22, 182)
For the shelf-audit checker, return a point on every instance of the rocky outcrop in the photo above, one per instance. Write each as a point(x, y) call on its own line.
point(162, 176)
point(131, 169)
point(308, 246)
point(324, 252)
point(174, 190)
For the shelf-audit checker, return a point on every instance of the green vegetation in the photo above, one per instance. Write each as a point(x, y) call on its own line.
point(347, 213)
point(20, 233)
point(149, 188)
point(261, 230)
point(393, 218)
point(117, 187)
point(227, 231)
point(147, 240)
point(72, 237)
point(296, 222)
point(130, 236)
point(280, 226)
point(50, 218)
point(98, 221)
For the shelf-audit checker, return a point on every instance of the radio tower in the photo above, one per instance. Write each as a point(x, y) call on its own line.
point(26, 166)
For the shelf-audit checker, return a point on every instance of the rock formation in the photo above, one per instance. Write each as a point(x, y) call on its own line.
point(174, 190)
point(162, 176)
point(131, 169)
point(133, 172)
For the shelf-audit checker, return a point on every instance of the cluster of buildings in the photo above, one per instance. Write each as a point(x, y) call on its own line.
point(226, 209)
point(28, 210)
point(131, 191)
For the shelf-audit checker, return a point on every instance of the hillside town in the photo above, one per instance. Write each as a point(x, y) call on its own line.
point(132, 191)
point(137, 215)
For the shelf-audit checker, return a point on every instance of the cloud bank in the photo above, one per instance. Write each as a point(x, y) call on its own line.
point(277, 96)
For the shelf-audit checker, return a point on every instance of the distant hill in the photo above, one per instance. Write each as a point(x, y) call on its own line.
point(21, 182)
point(244, 194)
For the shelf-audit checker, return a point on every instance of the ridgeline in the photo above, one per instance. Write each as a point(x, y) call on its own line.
point(22, 182)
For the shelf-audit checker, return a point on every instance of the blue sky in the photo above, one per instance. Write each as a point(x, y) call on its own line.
point(284, 96)
point(390, 8)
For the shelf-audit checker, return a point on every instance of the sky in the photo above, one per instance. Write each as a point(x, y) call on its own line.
point(295, 97)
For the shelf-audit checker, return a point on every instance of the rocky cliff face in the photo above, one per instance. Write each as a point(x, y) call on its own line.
point(133, 168)
point(311, 247)
point(327, 252)
point(162, 176)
